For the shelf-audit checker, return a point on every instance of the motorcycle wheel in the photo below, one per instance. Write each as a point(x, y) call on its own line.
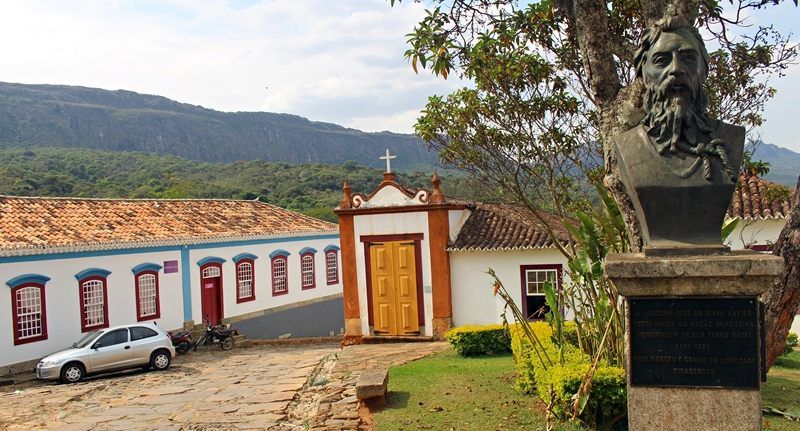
point(227, 343)
point(183, 348)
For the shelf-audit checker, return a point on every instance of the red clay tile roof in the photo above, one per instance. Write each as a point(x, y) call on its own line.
point(34, 225)
point(754, 198)
point(505, 227)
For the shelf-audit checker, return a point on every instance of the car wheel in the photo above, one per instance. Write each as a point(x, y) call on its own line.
point(227, 343)
point(73, 372)
point(160, 360)
point(183, 348)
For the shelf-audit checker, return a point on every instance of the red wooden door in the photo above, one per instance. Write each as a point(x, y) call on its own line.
point(211, 293)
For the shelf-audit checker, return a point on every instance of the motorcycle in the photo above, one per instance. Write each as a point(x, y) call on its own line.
point(182, 341)
point(217, 334)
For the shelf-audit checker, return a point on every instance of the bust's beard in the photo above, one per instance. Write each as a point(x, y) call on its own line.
point(676, 120)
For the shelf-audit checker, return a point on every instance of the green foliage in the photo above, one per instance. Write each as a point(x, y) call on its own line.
point(750, 167)
point(472, 340)
point(606, 407)
point(592, 297)
point(791, 343)
point(525, 358)
point(313, 189)
point(728, 226)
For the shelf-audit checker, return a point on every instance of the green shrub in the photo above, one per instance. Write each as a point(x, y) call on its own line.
point(524, 356)
point(474, 340)
point(606, 408)
point(791, 343)
point(570, 333)
point(525, 359)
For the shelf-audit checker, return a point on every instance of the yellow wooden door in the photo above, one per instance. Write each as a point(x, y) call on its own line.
point(394, 288)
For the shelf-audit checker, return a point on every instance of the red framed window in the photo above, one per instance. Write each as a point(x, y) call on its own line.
point(307, 275)
point(245, 280)
point(93, 294)
point(29, 313)
point(280, 278)
point(148, 305)
point(533, 279)
point(332, 266)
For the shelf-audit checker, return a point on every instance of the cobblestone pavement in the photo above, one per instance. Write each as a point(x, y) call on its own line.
point(265, 387)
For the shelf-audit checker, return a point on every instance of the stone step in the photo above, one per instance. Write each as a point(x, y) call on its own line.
point(372, 386)
point(379, 339)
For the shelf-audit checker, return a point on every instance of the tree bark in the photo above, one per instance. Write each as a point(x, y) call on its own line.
point(782, 300)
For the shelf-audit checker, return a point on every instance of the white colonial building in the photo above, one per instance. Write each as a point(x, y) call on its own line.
point(762, 212)
point(75, 265)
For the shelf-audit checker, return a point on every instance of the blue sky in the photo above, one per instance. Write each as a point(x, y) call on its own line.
point(335, 61)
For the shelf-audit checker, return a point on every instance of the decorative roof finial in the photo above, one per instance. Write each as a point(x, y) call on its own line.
point(346, 197)
point(437, 197)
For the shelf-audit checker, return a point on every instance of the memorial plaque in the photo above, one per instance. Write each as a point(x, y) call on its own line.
point(694, 342)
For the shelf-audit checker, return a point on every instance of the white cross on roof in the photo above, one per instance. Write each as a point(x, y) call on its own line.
point(388, 159)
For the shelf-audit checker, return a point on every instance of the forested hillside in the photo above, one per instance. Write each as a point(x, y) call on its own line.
point(80, 117)
point(313, 189)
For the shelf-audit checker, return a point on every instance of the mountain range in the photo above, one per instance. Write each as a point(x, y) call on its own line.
point(784, 163)
point(80, 117)
point(36, 116)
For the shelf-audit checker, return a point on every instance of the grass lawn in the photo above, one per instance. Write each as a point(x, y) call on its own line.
point(447, 392)
point(782, 391)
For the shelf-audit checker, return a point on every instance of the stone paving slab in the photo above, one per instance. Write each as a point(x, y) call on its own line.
point(202, 391)
point(280, 388)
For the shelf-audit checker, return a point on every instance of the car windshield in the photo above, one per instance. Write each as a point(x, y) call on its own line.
point(87, 339)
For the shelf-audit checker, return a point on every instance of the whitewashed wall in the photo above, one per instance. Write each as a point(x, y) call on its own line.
point(758, 232)
point(473, 300)
point(263, 276)
point(63, 301)
point(392, 224)
point(62, 298)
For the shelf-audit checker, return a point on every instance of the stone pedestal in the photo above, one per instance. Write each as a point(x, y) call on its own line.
point(674, 402)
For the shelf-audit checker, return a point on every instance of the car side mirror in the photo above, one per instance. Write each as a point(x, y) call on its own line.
point(96, 346)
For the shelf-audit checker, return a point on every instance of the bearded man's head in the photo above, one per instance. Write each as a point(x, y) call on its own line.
point(672, 61)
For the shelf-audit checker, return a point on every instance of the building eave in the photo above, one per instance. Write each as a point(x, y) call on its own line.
point(749, 218)
point(173, 242)
point(515, 248)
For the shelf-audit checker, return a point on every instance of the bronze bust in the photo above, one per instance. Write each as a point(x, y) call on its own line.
point(678, 165)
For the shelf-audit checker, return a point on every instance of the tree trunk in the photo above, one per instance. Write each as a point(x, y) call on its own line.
point(782, 300)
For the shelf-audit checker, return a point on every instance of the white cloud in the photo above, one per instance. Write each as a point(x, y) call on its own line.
point(334, 61)
point(392, 122)
point(330, 61)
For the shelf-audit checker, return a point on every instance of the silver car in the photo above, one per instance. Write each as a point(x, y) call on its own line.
point(110, 349)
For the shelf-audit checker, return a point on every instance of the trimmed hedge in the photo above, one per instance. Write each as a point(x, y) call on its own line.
point(607, 404)
point(524, 357)
point(472, 340)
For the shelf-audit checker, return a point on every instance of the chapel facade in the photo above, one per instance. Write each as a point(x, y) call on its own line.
point(415, 262)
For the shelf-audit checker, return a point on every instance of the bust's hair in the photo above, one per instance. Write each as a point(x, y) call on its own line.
point(669, 24)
